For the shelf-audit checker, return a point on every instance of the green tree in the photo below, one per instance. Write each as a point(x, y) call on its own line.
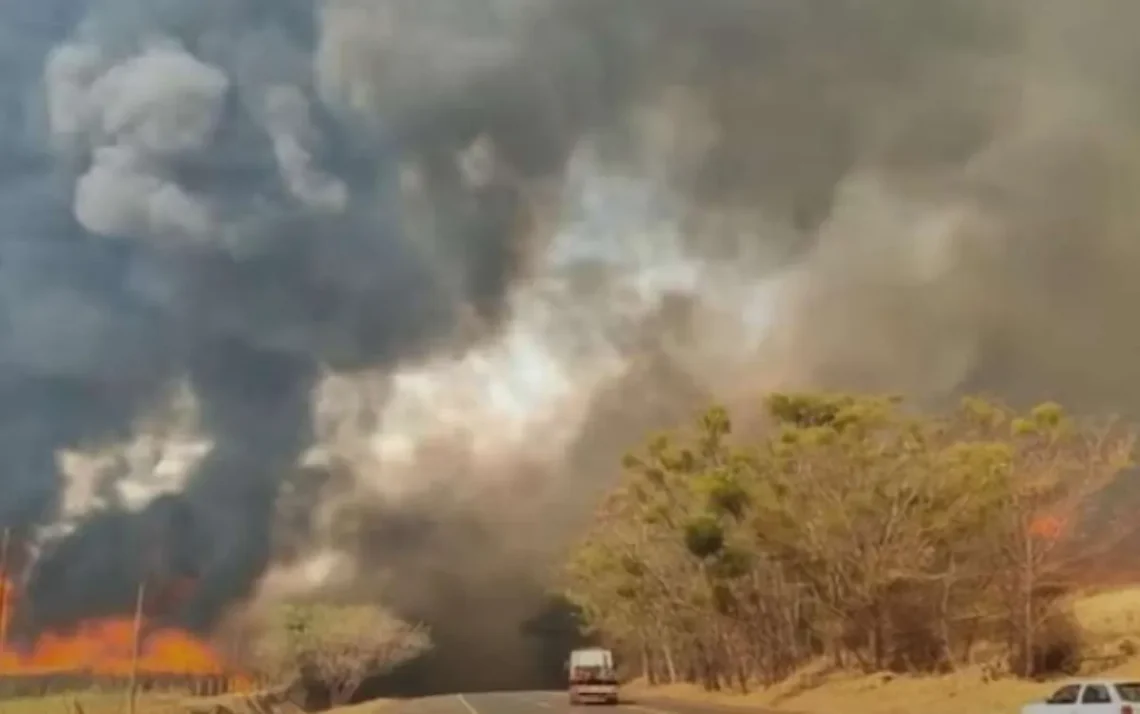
point(848, 525)
point(1052, 520)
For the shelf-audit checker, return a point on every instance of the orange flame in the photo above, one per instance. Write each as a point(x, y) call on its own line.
point(105, 647)
point(1048, 527)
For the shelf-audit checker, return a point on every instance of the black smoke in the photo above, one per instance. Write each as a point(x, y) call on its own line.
point(239, 195)
point(181, 203)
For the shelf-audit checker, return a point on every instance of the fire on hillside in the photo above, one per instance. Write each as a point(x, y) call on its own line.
point(113, 648)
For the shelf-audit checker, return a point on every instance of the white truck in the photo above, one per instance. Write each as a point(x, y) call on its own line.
point(1090, 697)
point(593, 676)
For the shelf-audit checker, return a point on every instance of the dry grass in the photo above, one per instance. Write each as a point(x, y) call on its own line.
point(116, 703)
point(1110, 619)
point(1109, 616)
point(90, 703)
point(247, 704)
point(832, 693)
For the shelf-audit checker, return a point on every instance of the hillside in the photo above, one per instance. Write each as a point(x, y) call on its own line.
point(1110, 621)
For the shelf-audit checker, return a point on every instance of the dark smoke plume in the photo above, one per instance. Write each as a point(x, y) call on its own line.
point(231, 200)
point(209, 192)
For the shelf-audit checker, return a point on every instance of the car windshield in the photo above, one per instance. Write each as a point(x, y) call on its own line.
point(1065, 695)
point(1129, 691)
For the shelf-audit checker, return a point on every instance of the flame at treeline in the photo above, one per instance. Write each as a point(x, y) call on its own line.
point(106, 647)
point(1049, 526)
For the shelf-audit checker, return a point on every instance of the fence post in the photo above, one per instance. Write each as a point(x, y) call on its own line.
point(132, 698)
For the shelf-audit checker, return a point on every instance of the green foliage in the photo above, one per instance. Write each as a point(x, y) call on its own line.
point(704, 536)
point(850, 524)
point(337, 645)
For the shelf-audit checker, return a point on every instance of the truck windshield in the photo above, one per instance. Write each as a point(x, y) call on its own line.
point(591, 658)
point(1129, 691)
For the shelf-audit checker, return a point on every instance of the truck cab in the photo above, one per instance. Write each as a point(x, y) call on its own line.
point(592, 676)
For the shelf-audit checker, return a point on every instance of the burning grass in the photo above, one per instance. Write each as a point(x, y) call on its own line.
point(110, 647)
point(1110, 622)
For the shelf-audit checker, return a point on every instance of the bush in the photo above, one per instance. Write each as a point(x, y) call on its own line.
point(334, 648)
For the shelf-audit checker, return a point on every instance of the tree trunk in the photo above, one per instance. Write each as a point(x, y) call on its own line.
point(968, 639)
point(648, 668)
point(741, 674)
point(670, 663)
point(878, 637)
point(944, 624)
point(1026, 611)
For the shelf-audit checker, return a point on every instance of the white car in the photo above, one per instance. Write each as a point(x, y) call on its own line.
point(1090, 697)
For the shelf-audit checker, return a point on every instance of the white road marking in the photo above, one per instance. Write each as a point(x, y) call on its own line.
point(527, 697)
point(467, 704)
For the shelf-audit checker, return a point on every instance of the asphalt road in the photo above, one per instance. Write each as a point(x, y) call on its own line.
point(539, 703)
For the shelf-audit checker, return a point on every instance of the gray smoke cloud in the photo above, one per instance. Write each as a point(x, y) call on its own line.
point(672, 200)
point(218, 194)
point(925, 198)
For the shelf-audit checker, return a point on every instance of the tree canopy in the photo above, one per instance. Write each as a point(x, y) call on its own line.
point(855, 528)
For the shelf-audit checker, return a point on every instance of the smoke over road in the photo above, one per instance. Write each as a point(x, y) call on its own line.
point(375, 292)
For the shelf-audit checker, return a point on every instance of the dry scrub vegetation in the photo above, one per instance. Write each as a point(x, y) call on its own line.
point(332, 649)
point(855, 543)
point(115, 703)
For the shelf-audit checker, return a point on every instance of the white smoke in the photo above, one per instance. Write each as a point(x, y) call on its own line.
point(289, 123)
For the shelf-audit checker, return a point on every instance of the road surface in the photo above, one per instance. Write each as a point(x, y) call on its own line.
point(543, 703)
